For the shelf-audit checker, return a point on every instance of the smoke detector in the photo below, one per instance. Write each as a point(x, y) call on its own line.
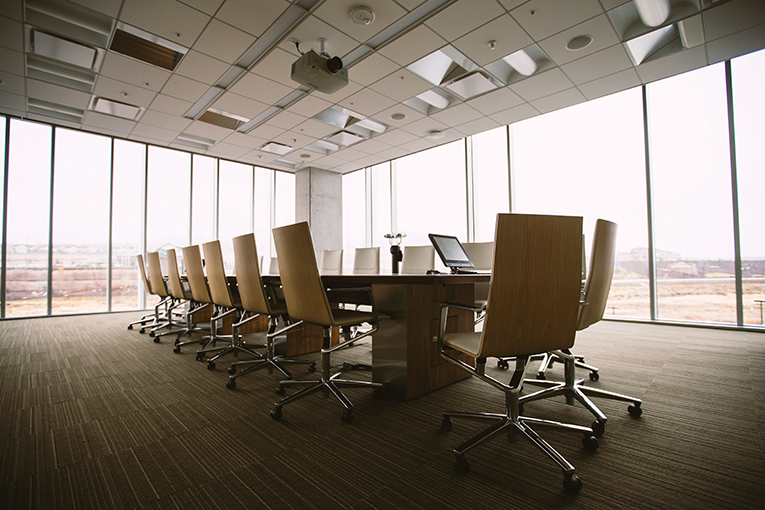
point(362, 16)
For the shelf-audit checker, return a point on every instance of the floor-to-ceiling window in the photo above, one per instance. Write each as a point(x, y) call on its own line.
point(204, 189)
point(691, 182)
point(168, 199)
point(491, 191)
point(3, 132)
point(81, 195)
point(235, 207)
point(354, 216)
point(264, 190)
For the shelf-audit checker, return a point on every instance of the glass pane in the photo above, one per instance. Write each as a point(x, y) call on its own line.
point(428, 204)
point(263, 193)
point(3, 121)
point(354, 216)
point(491, 191)
point(168, 199)
point(749, 115)
point(29, 181)
point(588, 160)
point(285, 199)
point(381, 213)
point(690, 169)
point(81, 185)
point(127, 223)
point(204, 189)
point(235, 207)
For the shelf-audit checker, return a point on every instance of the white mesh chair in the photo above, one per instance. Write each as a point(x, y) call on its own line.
point(366, 260)
point(418, 259)
point(331, 262)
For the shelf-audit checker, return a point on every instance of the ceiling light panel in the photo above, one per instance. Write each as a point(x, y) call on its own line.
point(442, 65)
point(60, 74)
point(276, 148)
point(115, 108)
point(641, 48)
point(344, 138)
point(146, 47)
point(69, 20)
point(530, 60)
point(472, 85)
point(63, 50)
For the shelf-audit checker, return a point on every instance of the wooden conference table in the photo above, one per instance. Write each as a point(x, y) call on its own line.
point(404, 352)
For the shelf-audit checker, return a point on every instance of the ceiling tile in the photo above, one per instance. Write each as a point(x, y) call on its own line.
point(223, 41)
point(243, 140)
point(477, 126)
point(392, 153)
point(731, 17)
point(13, 103)
point(558, 101)
point(385, 116)
point(123, 92)
point(367, 102)
point(239, 105)
point(349, 154)
point(412, 46)
point(266, 131)
point(183, 88)
point(461, 17)
point(401, 85)
point(541, 85)
point(512, 4)
point(206, 130)
point(410, 4)
point(134, 72)
point(671, 65)
point(169, 19)
point(424, 126)
point(610, 84)
point(286, 120)
point(294, 139)
point(598, 65)
point(201, 67)
point(206, 6)
point(505, 31)
point(154, 132)
point(496, 100)
point(372, 69)
point(315, 128)
point(737, 44)
point(395, 137)
point(277, 66)
point(610, 4)
point(543, 18)
point(309, 106)
point(456, 115)
point(64, 123)
point(254, 17)
point(417, 145)
point(338, 14)
point(11, 61)
point(371, 146)
point(14, 84)
point(228, 150)
point(171, 105)
point(265, 90)
point(11, 34)
point(164, 120)
point(311, 30)
point(599, 28)
point(98, 120)
point(258, 157)
point(516, 114)
point(13, 10)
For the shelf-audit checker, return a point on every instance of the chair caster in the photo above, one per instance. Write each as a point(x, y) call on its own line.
point(461, 465)
point(503, 364)
point(130, 326)
point(347, 416)
point(598, 428)
point(446, 424)
point(231, 370)
point(200, 357)
point(635, 410)
point(177, 349)
point(590, 442)
point(312, 367)
point(151, 334)
point(594, 376)
point(231, 384)
point(141, 331)
point(210, 365)
point(541, 376)
point(276, 413)
point(280, 391)
point(156, 339)
point(572, 484)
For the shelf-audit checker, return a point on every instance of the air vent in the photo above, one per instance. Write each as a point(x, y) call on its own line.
point(442, 66)
point(63, 50)
point(276, 148)
point(195, 142)
point(115, 108)
point(146, 47)
point(57, 73)
point(222, 119)
point(54, 110)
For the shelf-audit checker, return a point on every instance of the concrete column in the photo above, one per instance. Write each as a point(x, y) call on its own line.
point(319, 201)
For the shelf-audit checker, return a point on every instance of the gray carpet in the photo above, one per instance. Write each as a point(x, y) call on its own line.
point(94, 416)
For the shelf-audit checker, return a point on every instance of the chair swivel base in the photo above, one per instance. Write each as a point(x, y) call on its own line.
point(268, 362)
point(503, 423)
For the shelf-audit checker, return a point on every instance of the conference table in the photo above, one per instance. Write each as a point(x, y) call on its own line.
point(405, 356)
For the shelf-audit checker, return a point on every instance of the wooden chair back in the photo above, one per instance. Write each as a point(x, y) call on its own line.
point(418, 259)
point(251, 290)
point(156, 279)
point(366, 260)
point(600, 274)
point(142, 269)
point(216, 275)
point(331, 262)
point(195, 274)
point(174, 276)
point(299, 273)
point(535, 285)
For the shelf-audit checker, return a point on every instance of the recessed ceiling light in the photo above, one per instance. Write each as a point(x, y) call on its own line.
point(398, 116)
point(115, 108)
point(579, 42)
point(276, 148)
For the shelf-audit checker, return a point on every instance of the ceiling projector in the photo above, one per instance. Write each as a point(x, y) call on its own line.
point(320, 72)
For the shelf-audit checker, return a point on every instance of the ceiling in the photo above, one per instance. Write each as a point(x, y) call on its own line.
point(421, 72)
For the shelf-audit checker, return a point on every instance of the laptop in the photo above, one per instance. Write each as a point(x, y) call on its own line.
point(452, 254)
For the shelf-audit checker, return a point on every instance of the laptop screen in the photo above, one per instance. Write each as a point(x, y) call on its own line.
point(451, 251)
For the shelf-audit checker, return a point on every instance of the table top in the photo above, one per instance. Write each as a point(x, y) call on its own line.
point(347, 280)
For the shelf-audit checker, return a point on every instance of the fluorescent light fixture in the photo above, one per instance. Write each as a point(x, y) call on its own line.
point(260, 119)
point(222, 118)
point(434, 99)
point(371, 125)
point(322, 147)
point(640, 48)
point(521, 62)
point(653, 12)
point(276, 148)
point(196, 142)
point(292, 163)
point(691, 31)
point(344, 138)
point(471, 85)
point(204, 102)
point(56, 48)
point(115, 108)
point(58, 111)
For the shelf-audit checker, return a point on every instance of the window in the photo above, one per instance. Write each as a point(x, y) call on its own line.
point(491, 190)
point(264, 185)
point(381, 205)
point(588, 160)
point(691, 180)
point(28, 221)
point(749, 114)
point(3, 122)
point(81, 193)
point(354, 216)
point(284, 195)
point(168, 199)
point(204, 189)
point(235, 207)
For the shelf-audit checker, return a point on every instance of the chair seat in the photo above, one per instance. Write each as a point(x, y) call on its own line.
point(468, 342)
point(342, 317)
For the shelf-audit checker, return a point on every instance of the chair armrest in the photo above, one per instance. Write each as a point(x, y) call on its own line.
point(355, 295)
point(443, 317)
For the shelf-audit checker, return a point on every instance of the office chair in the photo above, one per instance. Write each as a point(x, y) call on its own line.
point(182, 296)
point(226, 303)
point(257, 300)
point(480, 254)
point(269, 265)
point(366, 260)
point(331, 262)
point(308, 301)
point(159, 287)
point(595, 295)
point(150, 319)
point(532, 307)
point(418, 259)
point(200, 293)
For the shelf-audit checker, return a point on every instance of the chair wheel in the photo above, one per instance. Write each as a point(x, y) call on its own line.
point(347, 416)
point(590, 442)
point(200, 357)
point(312, 367)
point(503, 364)
point(177, 349)
point(130, 326)
point(276, 413)
point(594, 376)
point(210, 365)
point(461, 465)
point(156, 339)
point(231, 370)
point(446, 424)
point(231, 384)
point(141, 331)
point(635, 410)
point(572, 484)
point(151, 334)
point(280, 391)
point(598, 428)
point(541, 376)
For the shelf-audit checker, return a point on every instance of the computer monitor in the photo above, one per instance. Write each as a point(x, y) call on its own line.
point(450, 250)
